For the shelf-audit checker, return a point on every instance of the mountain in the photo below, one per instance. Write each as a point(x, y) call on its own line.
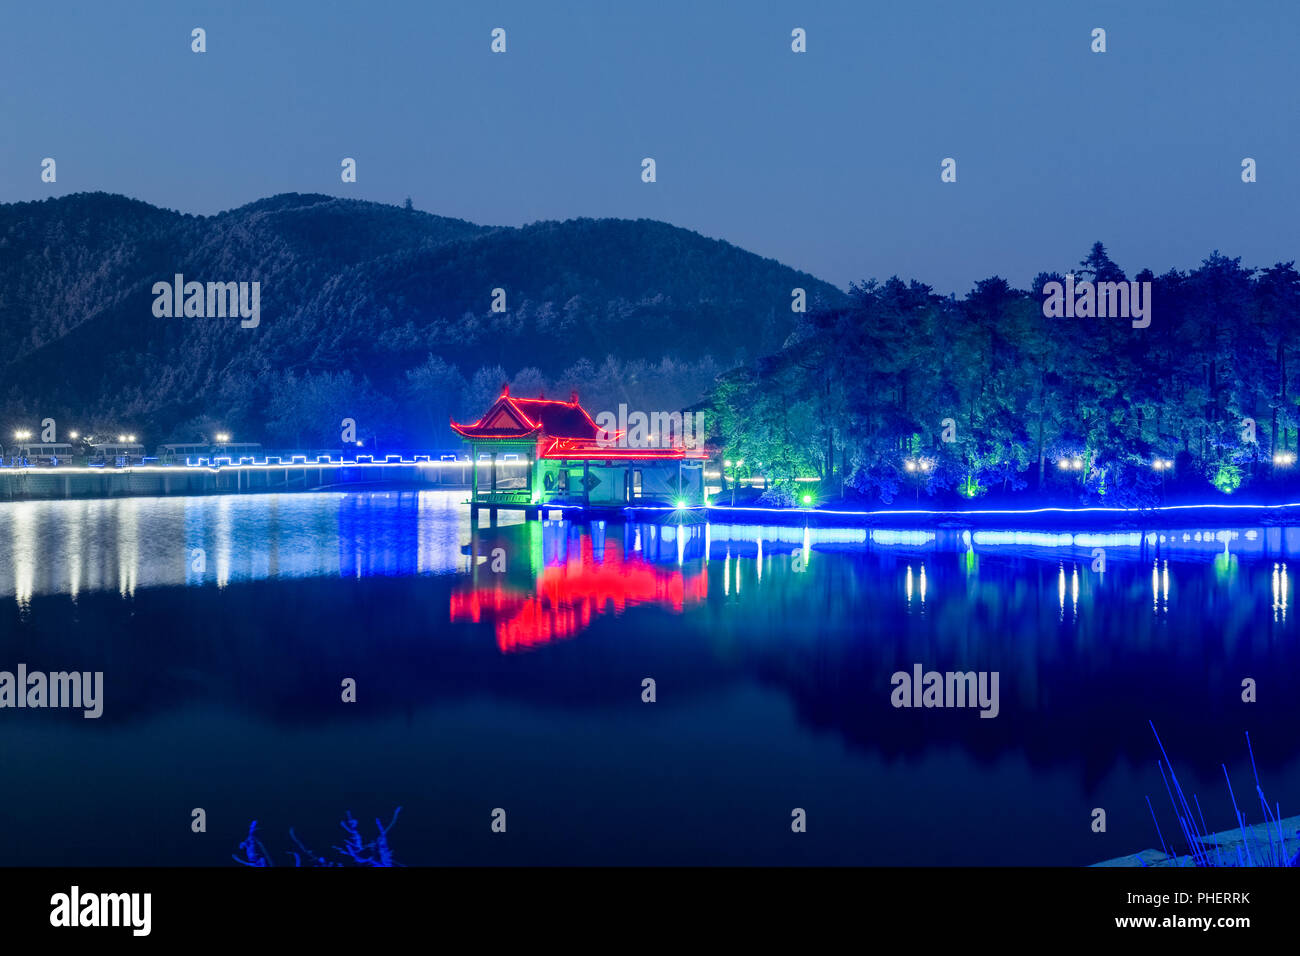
point(359, 296)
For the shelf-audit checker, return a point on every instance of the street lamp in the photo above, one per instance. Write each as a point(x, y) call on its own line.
point(222, 438)
point(918, 467)
point(734, 467)
point(1164, 466)
point(1073, 463)
point(1284, 458)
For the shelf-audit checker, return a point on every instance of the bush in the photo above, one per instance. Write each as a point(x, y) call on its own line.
point(779, 496)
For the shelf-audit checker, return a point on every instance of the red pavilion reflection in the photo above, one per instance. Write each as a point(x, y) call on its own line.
point(564, 599)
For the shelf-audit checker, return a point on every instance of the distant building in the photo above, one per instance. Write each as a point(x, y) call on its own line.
point(533, 451)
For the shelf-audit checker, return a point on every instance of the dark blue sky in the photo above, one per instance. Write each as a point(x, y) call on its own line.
point(827, 161)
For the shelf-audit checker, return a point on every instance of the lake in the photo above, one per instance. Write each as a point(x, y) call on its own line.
point(503, 667)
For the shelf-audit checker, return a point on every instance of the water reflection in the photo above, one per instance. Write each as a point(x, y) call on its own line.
point(69, 547)
point(774, 646)
point(1160, 586)
point(72, 547)
point(573, 574)
point(1281, 585)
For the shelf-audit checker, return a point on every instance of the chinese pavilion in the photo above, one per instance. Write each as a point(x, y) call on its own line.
point(566, 459)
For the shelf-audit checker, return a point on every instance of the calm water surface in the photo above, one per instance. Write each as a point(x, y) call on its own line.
point(225, 626)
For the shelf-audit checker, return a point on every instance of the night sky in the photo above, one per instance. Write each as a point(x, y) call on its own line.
point(828, 160)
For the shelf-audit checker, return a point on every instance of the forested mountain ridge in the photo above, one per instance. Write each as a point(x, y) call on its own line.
point(363, 307)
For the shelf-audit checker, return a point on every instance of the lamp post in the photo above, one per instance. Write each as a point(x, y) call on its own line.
point(21, 435)
point(918, 467)
point(1072, 464)
point(1164, 466)
point(734, 468)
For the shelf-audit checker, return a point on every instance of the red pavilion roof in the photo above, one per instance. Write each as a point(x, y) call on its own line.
point(531, 417)
point(562, 429)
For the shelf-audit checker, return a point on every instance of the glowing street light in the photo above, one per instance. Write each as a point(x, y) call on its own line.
point(732, 466)
point(73, 435)
point(807, 499)
point(921, 466)
point(1164, 466)
point(222, 438)
point(1284, 458)
point(22, 435)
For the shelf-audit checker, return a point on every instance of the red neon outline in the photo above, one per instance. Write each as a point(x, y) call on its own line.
point(466, 430)
point(556, 401)
point(568, 446)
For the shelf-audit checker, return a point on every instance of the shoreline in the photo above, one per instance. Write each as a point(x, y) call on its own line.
point(1047, 518)
point(37, 484)
point(1228, 842)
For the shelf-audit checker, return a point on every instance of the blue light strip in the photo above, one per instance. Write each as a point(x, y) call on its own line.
point(300, 461)
point(1026, 511)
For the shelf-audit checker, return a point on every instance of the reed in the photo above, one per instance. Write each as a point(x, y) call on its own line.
point(355, 851)
point(1261, 844)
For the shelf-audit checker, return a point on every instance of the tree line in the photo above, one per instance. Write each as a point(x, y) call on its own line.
point(903, 392)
